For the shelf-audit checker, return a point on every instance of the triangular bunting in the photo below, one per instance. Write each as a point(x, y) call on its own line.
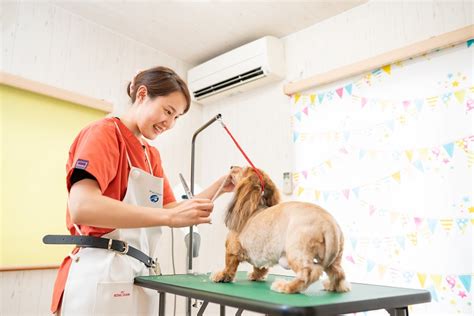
point(418, 222)
point(347, 134)
point(297, 97)
point(434, 295)
point(320, 97)
point(305, 110)
point(356, 192)
point(340, 91)
point(419, 104)
point(312, 97)
point(447, 224)
point(325, 195)
point(317, 194)
point(300, 190)
point(363, 102)
point(462, 223)
point(305, 174)
point(387, 69)
point(419, 165)
point(349, 88)
point(466, 281)
point(350, 259)
point(470, 42)
point(447, 97)
point(449, 149)
point(460, 95)
point(396, 176)
point(401, 241)
point(345, 192)
point(423, 152)
point(422, 279)
point(432, 101)
point(413, 237)
point(432, 224)
point(391, 125)
point(436, 278)
point(409, 154)
point(295, 136)
point(406, 104)
point(370, 265)
point(353, 242)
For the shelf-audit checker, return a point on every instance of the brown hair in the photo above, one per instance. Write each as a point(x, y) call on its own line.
point(248, 198)
point(159, 81)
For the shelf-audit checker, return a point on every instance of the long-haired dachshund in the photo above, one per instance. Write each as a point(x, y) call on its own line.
point(264, 232)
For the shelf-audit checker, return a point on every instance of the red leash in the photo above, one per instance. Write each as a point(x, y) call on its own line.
point(262, 183)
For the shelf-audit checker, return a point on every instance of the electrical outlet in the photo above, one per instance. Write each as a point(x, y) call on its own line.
point(287, 183)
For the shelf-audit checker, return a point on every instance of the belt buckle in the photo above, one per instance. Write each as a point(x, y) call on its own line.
point(125, 247)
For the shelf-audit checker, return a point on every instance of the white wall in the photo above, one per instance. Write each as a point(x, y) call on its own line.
point(45, 43)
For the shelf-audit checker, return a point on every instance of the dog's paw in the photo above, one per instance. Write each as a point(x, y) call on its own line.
point(221, 277)
point(343, 286)
point(328, 286)
point(253, 276)
point(283, 286)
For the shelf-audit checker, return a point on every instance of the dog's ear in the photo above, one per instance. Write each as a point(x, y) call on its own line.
point(246, 201)
point(271, 195)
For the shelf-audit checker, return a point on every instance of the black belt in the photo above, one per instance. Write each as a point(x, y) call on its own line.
point(98, 242)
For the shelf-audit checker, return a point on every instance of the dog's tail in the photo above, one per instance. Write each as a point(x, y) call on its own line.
point(332, 239)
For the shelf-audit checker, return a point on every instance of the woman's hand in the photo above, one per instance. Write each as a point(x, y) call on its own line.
point(228, 185)
point(191, 212)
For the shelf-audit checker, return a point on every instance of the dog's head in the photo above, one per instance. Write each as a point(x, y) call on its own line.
point(248, 196)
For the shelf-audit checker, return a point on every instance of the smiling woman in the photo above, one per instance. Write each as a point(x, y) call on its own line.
point(118, 193)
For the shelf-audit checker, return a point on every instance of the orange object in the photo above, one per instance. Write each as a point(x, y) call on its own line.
point(99, 149)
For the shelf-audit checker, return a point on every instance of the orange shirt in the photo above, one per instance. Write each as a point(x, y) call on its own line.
point(101, 151)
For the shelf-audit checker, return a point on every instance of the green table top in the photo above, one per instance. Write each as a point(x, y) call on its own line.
point(257, 296)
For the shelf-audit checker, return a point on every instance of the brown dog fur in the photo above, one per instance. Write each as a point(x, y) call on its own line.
point(264, 232)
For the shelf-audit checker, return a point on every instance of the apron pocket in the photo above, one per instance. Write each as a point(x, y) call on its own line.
point(114, 298)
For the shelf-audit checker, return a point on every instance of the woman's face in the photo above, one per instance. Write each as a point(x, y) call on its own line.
point(160, 114)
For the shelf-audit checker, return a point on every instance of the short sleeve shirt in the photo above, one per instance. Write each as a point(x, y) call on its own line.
point(101, 150)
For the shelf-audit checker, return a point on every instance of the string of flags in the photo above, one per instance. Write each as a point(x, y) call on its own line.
point(305, 104)
point(460, 284)
point(382, 110)
point(420, 158)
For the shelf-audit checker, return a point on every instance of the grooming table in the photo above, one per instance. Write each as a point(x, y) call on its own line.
point(257, 296)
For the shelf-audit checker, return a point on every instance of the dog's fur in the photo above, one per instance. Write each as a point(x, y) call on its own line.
point(264, 232)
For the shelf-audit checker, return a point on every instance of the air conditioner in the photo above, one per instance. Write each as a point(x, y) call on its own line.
point(251, 65)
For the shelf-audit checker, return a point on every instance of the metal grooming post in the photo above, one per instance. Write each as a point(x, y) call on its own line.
point(190, 250)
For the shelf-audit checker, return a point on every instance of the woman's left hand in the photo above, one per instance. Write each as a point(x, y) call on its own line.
point(228, 185)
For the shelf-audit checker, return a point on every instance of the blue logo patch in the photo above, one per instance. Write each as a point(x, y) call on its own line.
point(154, 198)
point(81, 164)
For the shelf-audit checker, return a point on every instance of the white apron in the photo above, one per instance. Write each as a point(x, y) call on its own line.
point(100, 281)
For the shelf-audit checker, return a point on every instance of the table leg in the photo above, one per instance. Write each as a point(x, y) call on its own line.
point(399, 311)
point(202, 309)
point(161, 308)
point(239, 312)
point(222, 310)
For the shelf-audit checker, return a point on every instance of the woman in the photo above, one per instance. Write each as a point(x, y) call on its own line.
point(119, 195)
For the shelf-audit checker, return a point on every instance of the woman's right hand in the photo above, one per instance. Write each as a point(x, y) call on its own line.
point(191, 212)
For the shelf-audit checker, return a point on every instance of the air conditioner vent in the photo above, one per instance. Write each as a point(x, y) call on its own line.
point(229, 83)
point(246, 67)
